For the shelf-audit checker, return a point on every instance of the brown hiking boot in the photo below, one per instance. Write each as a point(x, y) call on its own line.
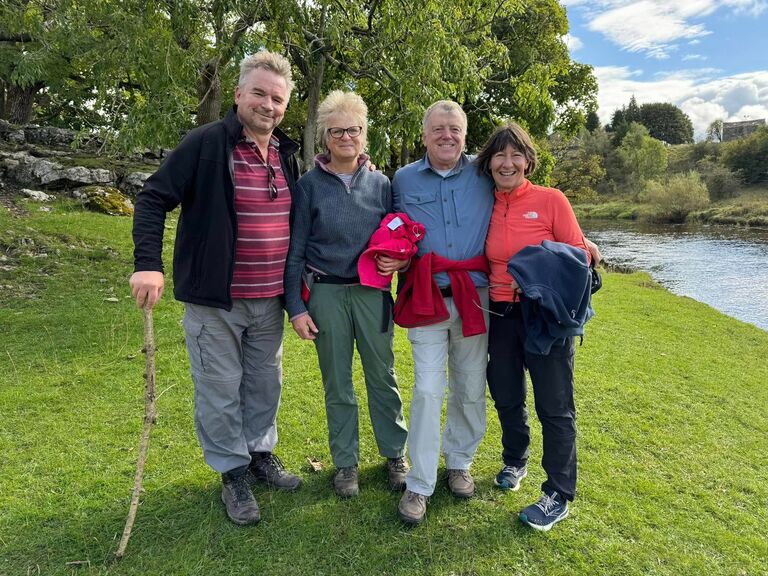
point(397, 468)
point(345, 482)
point(460, 482)
point(412, 508)
point(267, 468)
point(241, 506)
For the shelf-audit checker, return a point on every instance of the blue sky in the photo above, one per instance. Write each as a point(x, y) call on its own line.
point(709, 57)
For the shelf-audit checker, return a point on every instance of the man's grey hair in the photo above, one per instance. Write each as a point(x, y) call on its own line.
point(271, 61)
point(444, 106)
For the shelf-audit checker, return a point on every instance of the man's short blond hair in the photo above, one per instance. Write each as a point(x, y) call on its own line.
point(445, 106)
point(336, 102)
point(271, 61)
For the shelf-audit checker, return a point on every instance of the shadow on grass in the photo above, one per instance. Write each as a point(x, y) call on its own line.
point(181, 528)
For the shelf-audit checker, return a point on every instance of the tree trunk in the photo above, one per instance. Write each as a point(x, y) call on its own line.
point(208, 94)
point(404, 152)
point(315, 86)
point(3, 96)
point(19, 103)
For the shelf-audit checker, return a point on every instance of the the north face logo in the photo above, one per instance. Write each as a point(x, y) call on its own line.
point(531, 215)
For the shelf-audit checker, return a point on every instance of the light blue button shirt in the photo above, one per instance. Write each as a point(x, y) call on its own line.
point(455, 210)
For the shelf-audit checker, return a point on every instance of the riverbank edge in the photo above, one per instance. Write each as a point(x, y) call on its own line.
point(749, 209)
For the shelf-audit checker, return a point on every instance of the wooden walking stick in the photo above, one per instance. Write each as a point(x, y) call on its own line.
point(149, 419)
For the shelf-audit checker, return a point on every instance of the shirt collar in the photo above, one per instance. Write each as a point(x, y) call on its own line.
point(460, 165)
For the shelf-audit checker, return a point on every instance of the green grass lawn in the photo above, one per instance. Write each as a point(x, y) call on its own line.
point(673, 441)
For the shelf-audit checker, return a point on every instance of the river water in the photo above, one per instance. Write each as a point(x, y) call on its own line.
point(725, 267)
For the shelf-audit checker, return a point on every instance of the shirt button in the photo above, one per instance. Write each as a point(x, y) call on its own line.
point(447, 222)
point(450, 245)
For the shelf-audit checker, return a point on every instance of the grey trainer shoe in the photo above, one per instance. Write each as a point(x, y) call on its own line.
point(345, 482)
point(460, 482)
point(397, 468)
point(267, 468)
point(236, 495)
point(510, 476)
point(412, 507)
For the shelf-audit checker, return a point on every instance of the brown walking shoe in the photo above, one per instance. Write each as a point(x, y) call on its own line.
point(236, 495)
point(397, 468)
point(267, 468)
point(412, 507)
point(460, 482)
point(345, 482)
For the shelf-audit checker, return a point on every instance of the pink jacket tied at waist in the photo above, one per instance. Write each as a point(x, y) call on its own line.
point(395, 237)
point(421, 304)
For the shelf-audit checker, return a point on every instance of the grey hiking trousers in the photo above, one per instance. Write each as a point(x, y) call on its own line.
point(235, 359)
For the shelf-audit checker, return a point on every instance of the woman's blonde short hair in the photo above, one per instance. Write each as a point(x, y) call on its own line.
point(336, 102)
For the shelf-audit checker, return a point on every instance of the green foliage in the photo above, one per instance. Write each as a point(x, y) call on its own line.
point(674, 200)
point(720, 181)
point(593, 121)
point(748, 156)
point(577, 172)
point(531, 77)
point(715, 131)
point(666, 122)
point(642, 158)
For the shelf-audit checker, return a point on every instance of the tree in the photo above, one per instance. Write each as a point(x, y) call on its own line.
point(748, 157)
point(666, 122)
point(593, 121)
point(715, 131)
point(533, 79)
point(577, 172)
point(643, 158)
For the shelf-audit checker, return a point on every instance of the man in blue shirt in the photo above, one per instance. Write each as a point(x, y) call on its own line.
point(448, 194)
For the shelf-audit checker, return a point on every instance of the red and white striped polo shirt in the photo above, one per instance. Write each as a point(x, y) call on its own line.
point(262, 222)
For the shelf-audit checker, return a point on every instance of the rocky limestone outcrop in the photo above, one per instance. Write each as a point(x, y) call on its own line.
point(30, 170)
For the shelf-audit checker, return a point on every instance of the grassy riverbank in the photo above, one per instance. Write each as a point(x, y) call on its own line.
point(750, 208)
point(673, 417)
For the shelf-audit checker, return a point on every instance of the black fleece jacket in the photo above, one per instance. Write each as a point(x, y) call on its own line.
point(198, 175)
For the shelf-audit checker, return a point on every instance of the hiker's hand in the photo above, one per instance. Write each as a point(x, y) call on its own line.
point(147, 287)
point(387, 265)
point(305, 327)
point(594, 251)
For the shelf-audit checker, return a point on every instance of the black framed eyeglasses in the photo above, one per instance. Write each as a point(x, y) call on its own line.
point(272, 184)
point(338, 133)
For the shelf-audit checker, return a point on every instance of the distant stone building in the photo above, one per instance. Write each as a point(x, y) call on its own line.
point(736, 130)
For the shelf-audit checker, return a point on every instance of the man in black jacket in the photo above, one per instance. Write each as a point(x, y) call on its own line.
point(234, 179)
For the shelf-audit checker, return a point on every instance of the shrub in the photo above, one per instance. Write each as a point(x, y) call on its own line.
point(673, 201)
point(720, 181)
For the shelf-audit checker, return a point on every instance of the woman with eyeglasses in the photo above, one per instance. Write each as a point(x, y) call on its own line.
point(340, 206)
point(524, 215)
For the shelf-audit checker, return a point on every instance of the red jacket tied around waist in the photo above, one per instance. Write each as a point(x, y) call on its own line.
point(395, 237)
point(421, 304)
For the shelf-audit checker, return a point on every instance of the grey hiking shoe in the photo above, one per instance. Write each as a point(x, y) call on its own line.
point(236, 495)
point(267, 468)
point(412, 507)
point(345, 482)
point(397, 468)
point(509, 477)
point(460, 482)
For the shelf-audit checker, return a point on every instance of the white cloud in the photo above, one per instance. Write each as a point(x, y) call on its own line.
point(699, 93)
point(650, 26)
point(572, 42)
point(688, 57)
point(656, 27)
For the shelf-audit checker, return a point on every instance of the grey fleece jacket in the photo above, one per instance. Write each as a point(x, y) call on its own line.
point(332, 225)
